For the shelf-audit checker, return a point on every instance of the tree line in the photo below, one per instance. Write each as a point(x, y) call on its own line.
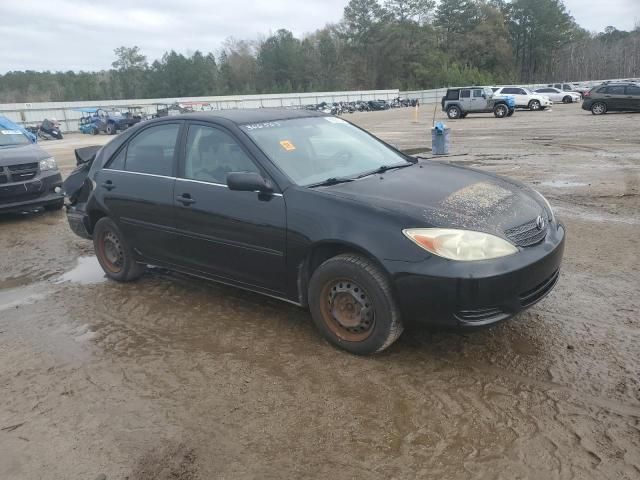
point(404, 44)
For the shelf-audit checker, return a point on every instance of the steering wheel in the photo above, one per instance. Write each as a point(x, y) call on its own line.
point(342, 158)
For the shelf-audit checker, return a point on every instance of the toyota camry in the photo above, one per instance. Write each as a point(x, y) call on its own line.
point(313, 210)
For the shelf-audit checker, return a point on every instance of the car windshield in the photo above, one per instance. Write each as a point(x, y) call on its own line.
point(10, 138)
point(317, 149)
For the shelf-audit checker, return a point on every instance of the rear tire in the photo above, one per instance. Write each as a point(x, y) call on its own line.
point(454, 112)
point(500, 111)
point(352, 304)
point(114, 253)
point(599, 108)
point(111, 129)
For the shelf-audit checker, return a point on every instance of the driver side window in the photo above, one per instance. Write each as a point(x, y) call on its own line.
point(212, 153)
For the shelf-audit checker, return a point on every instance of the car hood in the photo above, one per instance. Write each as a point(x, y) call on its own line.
point(434, 194)
point(21, 154)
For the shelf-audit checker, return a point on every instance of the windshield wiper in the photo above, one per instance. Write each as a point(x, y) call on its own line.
point(385, 168)
point(331, 181)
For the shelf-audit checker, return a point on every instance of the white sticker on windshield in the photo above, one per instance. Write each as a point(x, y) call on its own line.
point(334, 120)
point(11, 132)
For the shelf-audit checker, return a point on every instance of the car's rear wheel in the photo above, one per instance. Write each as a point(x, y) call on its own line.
point(599, 108)
point(500, 111)
point(567, 99)
point(454, 112)
point(114, 254)
point(534, 105)
point(352, 304)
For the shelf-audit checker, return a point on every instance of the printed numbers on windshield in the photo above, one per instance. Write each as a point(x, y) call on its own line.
point(257, 126)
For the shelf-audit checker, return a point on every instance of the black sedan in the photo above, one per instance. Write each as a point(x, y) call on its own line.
point(311, 209)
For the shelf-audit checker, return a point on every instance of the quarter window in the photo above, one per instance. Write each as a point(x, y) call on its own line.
point(212, 154)
point(152, 150)
point(633, 90)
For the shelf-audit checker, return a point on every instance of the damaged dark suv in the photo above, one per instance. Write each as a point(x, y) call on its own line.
point(29, 176)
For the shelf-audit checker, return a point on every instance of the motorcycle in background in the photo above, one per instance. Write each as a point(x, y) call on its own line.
point(47, 130)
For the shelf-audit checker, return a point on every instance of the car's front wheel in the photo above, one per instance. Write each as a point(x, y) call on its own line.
point(534, 105)
point(598, 108)
point(352, 304)
point(454, 112)
point(114, 253)
point(111, 129)
point(567, 99)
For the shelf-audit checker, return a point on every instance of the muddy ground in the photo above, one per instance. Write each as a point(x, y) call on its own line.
point(177, 378)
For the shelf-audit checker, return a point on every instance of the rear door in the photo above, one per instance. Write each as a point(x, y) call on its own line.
point(615, 97)
point(633, 97)
point(465, 100)
point(235, 236)
point(136, 187)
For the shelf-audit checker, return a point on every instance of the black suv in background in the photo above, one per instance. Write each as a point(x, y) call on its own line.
point(621, 97)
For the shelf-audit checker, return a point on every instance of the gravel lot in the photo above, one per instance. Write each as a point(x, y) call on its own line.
point(177, 378)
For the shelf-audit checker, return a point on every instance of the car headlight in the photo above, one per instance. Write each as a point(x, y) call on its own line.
point(463, 245)
point(552, 217)
point(48, 164)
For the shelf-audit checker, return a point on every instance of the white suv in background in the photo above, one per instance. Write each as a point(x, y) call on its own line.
point(525, 98)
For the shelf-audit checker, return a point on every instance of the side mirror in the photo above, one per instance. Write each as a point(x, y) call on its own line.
point(248, 182)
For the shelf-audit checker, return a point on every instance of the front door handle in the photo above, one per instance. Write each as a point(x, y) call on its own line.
point(185, 199)
point(108, 185)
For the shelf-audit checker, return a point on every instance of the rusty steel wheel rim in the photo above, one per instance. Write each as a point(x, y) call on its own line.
point(347, 310)
point(111, 251)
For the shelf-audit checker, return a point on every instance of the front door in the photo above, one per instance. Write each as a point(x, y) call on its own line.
point(465, 100)
point(136, 186)
point(633, 97)
point(235, 236)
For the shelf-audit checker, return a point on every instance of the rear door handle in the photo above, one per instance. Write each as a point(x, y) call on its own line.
point(185, 199)
point(108, 185)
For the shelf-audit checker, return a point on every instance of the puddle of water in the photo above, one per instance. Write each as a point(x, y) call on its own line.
point(563, 184)
point(87, 272)
point(15, 297)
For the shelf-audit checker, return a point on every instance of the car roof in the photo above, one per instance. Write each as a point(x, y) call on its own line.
point(251, 115)
point(473, 86)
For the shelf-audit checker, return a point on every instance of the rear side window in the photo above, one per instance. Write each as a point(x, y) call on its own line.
point(616, 90)
point(453, 94)
point(152, 150)
point(465, 93)
point(633, 90)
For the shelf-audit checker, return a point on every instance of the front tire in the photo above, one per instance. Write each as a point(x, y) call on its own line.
point(454, 112)
point(114, 253)
point(567, 99)
point(599, 108)
point(111, 129)
point(352, 305)
point(534, 105)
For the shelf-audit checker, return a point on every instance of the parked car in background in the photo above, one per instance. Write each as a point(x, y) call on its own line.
point(556, 95)
point(525, 98)
point(459, 102)
point(29, 176)
point(313, 210)
point(378, 105)
point(621, 97)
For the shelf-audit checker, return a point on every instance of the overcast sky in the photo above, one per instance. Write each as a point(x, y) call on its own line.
point(82, 34)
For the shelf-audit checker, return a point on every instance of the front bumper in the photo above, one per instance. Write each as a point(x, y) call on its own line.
point(442, 292)
point(31, 195)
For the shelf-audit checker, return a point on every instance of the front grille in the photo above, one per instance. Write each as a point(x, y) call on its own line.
point(476, 315)
point(527, 234)
point(23, 166)
point(20, 172)
point(539, 291)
